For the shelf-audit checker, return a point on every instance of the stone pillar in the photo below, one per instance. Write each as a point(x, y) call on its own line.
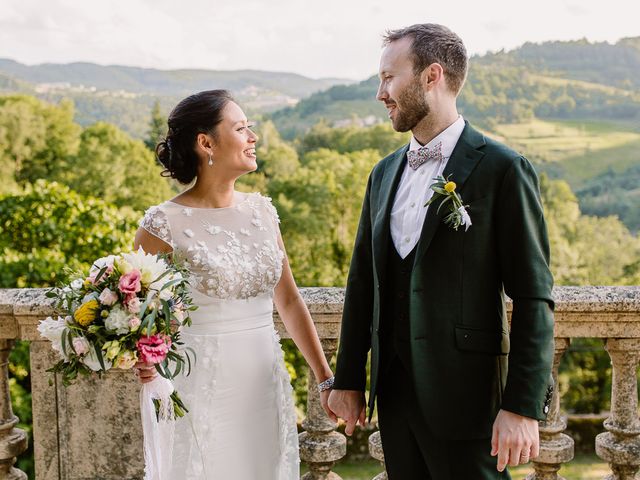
point(620, 444)
point(320, 445)
point(13, 441)
point(556, 447)
point(375, 450)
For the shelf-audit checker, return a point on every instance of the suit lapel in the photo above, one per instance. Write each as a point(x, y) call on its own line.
point(388, 187)
point(463, 160)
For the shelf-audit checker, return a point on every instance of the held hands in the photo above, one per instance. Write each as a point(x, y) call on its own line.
point(145, 372)
point(515, 439)
point(348, 405)
point(324, 400)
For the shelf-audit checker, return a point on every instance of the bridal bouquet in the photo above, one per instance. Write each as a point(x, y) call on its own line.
point(129, 308)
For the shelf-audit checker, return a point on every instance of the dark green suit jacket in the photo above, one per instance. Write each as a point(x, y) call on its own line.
point(466, 363)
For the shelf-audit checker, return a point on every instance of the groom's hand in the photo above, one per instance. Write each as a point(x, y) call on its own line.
point(515, 439)
point(350, 406)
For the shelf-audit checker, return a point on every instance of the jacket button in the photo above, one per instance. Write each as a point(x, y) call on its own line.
point(546, 409)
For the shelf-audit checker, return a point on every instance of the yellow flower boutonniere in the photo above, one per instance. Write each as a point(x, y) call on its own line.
point(445, 190)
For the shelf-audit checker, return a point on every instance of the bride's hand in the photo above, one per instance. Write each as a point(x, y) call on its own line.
point(324, 400)
point(145, 372)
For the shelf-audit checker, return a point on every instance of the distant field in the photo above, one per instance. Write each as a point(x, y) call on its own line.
point(575, 151)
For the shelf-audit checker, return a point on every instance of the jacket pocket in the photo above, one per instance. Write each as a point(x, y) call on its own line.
point(494, 342)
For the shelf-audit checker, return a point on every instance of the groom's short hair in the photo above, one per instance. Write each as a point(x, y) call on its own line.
point(433, 43)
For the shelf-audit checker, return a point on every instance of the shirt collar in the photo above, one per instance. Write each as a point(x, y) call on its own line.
point(449, 137)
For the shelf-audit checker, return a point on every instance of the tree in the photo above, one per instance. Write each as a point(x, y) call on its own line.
point(586, 250)
point(320, 206)
point(276, 158)
point(36, 139)
point(157, 127)
point(50, 228)
point(112, 166)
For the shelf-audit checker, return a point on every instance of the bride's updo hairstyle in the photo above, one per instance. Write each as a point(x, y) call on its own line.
point(198, 113)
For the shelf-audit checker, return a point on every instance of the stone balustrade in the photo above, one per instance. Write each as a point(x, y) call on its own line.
point(92, 428)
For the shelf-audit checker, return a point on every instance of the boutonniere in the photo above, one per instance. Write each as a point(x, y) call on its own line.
point(445, 190)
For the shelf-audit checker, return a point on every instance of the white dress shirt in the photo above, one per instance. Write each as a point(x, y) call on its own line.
point(408, 211)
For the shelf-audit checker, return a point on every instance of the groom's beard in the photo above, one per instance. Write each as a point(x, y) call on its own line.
point(412, 107)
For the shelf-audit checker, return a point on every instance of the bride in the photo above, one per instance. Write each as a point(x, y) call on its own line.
point(241, 423)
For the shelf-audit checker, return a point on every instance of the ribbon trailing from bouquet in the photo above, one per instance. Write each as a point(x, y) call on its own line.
point(158, 429)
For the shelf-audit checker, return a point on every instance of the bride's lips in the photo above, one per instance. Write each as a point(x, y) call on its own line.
point(250, 152)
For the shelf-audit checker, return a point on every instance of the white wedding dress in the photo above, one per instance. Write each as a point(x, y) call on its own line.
point(241, 423)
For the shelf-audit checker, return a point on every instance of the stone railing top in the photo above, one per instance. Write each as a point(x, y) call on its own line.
point(612, 309)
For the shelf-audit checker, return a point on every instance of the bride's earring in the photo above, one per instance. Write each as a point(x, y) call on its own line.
point(210, 159)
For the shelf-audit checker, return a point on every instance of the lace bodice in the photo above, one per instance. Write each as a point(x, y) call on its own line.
point(231, 252)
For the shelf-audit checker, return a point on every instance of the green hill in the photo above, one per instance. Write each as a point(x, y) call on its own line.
point(601, 62)
point(163, 82)
point(124, 95)
point(564, 80)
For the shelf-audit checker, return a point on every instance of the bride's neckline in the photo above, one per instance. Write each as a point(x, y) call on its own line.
point(238, 197)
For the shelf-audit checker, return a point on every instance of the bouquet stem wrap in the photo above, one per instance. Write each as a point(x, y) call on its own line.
point(157, 428)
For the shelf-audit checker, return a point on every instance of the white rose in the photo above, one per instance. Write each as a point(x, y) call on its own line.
point(53, 330)
point(77, 284)
point(117, 320)
point(100, 263)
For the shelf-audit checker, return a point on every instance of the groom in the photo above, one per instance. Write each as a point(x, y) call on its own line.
point(455, 387)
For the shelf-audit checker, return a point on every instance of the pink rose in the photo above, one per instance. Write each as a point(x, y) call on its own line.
point(80, 345)
point(133, 305)
point(130, 282)
point(107, 297)
point(134, 323)
point(153, 349)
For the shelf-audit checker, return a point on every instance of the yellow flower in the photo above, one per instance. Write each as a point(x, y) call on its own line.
point(126, 359)
point(87, 312)
point(450, 187)
point(122, 265)
point(146, 276)
point(112, 348)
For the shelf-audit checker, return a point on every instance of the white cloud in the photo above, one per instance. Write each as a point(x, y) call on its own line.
point(330, 38)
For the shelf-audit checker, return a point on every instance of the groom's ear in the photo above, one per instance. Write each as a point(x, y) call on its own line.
point(432, 76)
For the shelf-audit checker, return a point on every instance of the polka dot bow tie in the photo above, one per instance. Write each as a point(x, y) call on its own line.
point(424, 154)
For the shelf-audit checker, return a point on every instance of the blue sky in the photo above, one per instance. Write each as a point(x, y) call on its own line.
point(337, 38)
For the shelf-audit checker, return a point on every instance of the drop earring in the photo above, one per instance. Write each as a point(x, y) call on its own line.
point(210, 159)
